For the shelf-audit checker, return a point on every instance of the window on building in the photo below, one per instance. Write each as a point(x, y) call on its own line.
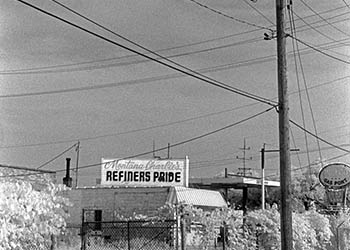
point(98, 220)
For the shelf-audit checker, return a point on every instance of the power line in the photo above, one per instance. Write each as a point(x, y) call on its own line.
point(259, 12)
point(231, 17)
point(318, 50)
point(292, 25)
point(305, 84)
point(346, 4)
point(130, 131)
point(227, 161)
point(193, 138)
point(60, 68)
point(157, 126)
point(313, 28)
point(325, 20)
point(196, 75)
point(153, 79)
point(59, 155)
point(172, 145)
point(313, 164)
point(319, 138)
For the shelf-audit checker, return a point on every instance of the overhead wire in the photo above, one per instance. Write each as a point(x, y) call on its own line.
point(317, 137)
point(185, 70)
point(120, 45)
point(314, 28)
point(61, 67)
point(256, 157)
point(295, 146)
point(130, 131)
point(231, 17)
point(161, 125)
point(151, 79)
point(346, 4)
point(259, 12)
point(323, 19)
point(318, 50)
point(165, 148)
point(305, 83)
point(57, 156)
point(313, 164)
point(293, 32)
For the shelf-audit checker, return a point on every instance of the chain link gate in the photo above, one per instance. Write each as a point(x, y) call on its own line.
point(130, 235)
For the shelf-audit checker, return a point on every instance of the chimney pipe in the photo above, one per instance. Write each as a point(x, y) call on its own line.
point(67, 180)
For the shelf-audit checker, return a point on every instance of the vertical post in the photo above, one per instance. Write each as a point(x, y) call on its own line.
point(244, 200)
point(177, 228)
point(183, 233)
point(67, 180)
point(187, 171)
point(168, 150)
point(129, 239)
point(53, 242)
point(285, 164)
point(224, 236)
point(263, 178)
point(337, 238)
point(82, 230)
point(226, 191)
point(77, 165)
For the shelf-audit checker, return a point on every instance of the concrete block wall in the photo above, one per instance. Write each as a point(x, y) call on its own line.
point(124, 201)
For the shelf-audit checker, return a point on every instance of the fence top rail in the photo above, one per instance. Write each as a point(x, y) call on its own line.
point(131, 221)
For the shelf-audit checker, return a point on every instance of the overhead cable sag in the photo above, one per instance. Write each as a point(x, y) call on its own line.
point(231, 17)
point(185, 70)
point(61, 67)
point(159, 149)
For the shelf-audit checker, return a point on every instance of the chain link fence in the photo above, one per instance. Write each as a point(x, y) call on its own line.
point(130, 235)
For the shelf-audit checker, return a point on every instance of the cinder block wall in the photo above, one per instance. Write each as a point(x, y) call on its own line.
point(124, 201)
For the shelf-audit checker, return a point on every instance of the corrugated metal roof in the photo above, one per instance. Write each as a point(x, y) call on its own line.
point(196, 197)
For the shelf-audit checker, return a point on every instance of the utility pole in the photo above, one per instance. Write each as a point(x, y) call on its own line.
point(284, 144)
point(77, 164)
point(263, 177)
point(168, 151)
point(245, 148)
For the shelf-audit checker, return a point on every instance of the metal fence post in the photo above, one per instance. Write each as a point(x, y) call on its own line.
point(224, 236)
point(82, 231)
point(128, 226)
point(183, 233)
point(53, 242)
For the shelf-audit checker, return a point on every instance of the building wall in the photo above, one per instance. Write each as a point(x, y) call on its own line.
point(124, 201)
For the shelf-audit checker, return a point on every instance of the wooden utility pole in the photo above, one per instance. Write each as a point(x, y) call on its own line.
point(77, 164)
point(285, 163)
point(263, 177)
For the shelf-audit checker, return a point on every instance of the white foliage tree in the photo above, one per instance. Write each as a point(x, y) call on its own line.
point(29, 217)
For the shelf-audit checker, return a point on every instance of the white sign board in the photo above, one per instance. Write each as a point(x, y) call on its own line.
point(146, 173)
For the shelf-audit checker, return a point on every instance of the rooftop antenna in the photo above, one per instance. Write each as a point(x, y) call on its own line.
point(245, 148)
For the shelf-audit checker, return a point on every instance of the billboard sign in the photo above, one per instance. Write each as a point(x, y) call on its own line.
point(146, 173)
point(335, 175)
